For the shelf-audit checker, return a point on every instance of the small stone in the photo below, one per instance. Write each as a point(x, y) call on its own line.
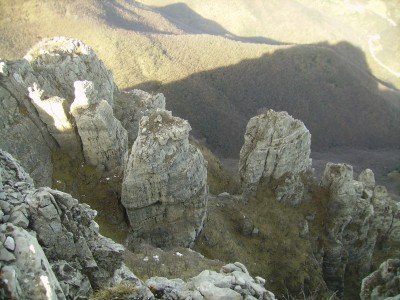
point(9, 244)
point(260, 280)
point(6, 256)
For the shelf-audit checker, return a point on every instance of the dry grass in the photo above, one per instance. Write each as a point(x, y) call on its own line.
point(276, 253)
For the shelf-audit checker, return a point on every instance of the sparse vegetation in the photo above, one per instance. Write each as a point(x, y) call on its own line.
point(118, 292)
point(276, 252)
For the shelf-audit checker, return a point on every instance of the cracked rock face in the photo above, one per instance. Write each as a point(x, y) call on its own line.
point(104, 140)
point(131, 106)
point(360, 215)
point(276, 149)
point(35, 95)
point(50, 246)
point(165, 183)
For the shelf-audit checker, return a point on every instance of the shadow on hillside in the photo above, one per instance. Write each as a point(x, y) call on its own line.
point(328, 87)
point(179, 14)
point(116, 16)
point(182, 16)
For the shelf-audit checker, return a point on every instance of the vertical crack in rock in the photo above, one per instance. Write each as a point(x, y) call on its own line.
point(276, 150)
point(165, 183)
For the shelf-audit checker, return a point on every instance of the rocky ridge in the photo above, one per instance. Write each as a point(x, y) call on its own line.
point(165, 187)
point(50, 245)
point(51, 249)
point(362, 215)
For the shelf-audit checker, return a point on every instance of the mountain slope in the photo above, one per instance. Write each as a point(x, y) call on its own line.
point(218, 76)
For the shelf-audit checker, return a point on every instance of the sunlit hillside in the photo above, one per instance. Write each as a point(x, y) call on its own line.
point(221, 62)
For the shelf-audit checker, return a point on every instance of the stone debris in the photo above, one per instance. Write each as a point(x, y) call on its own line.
point(232, 282)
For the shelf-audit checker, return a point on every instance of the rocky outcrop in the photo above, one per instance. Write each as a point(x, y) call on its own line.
point(232, 282)
point(20, 124)
point(36, 93)
point(276, 150)
point(165, 188)
point(131, 106)
point(58, 62)
point(361, 215)
point(50, 244)
point(104, 140)
point(383, 283)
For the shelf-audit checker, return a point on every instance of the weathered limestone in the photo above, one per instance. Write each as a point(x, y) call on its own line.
point(35, 95)
point(382, 283)
point(276, 149)
point(231, 283)
point(165, 183)
point(59, 62)
point(131, 106)
point(104, 140)
point(25, 268)
point(20, 125)
point(63, 256)
point(361, 215)
point(54, 112)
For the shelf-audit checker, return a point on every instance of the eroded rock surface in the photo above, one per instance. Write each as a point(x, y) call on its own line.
point(276, 149)
point(104, 140)
point(131, 106)
point(165, 183)
point(35, 95)
point(383, 283)
point(361, 214)
point(51, 242)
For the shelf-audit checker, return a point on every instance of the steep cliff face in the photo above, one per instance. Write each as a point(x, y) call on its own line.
point(276, 149)
point(165, 183)
point(361, 214)
point(104, 140)
point(36, 93)
point(50, 246)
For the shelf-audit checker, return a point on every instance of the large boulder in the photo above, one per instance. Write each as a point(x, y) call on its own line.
point(165, 187)
point(276, 150)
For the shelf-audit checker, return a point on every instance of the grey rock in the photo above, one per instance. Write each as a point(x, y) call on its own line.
point(382, 283)
point(131, 106)
point(54, 112)
point(73, 283)
point(232, 282)
point(9, 244)
point(165, 187)
point(30, 276)
point(246, 226)
point(276, 149)
point(58, 62)
point(104, 140)
point(66, 236)
point(360, 215)
point(47, 74)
